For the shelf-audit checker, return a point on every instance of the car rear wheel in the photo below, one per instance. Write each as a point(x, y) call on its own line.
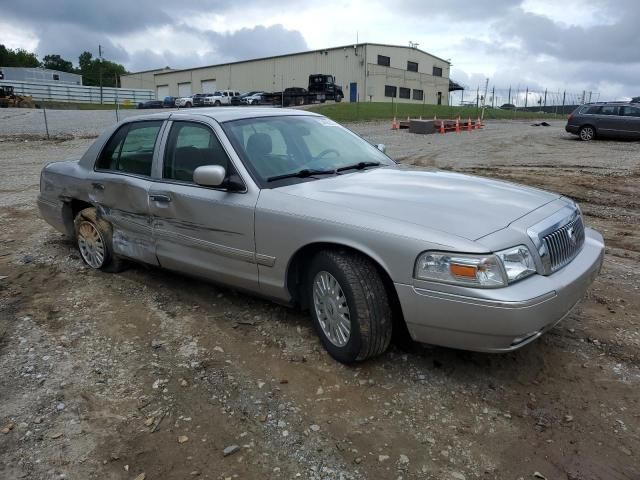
point(94, 239)
point(587, 133)
point(189, 105)
point(349, 305)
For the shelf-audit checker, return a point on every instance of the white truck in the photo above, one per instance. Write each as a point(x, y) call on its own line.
point(221, 97)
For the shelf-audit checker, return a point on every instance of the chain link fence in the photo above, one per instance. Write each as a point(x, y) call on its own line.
point(522, 98)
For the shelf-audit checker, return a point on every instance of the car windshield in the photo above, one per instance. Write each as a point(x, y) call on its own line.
point(286, 145)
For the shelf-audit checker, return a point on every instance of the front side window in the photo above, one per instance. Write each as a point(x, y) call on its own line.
point(274, 146)
point(189, 146)
point(130, 149)
point(629, 111)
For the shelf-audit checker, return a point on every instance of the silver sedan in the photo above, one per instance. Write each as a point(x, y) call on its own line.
point(291, 206)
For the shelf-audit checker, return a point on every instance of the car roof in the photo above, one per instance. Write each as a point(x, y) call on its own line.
point(617, 103)
point(225, 114)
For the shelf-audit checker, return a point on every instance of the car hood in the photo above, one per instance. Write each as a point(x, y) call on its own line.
point(462, 205)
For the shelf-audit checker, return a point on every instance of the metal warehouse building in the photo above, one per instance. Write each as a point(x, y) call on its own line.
point(24, 74)
point(367, 72)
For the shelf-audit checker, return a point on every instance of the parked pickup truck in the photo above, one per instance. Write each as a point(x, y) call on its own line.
point(290, 205)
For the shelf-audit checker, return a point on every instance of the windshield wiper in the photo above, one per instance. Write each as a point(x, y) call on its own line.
point(304, 173)
point(358, 166)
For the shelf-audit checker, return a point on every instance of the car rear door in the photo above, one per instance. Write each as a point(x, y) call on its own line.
point(203, 231)
point(630, 121)
point(608, 122)
point(120, 185)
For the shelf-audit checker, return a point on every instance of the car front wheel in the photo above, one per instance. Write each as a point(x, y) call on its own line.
point(93, 236)
point(349, 305)
point(587, 133)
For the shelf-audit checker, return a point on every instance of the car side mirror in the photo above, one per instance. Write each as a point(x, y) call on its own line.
point(382, 147)
point(209, 175)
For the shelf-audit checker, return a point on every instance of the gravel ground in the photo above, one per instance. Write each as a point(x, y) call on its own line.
point(151, 373)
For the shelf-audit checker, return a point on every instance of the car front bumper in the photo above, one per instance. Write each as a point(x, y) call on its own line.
point(502, 319)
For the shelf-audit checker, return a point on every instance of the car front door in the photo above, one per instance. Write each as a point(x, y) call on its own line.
point(630, 121)
point(119, 187)
point(203, 231)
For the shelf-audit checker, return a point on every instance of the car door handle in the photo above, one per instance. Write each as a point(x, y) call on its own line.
point(97, 186)
point(160, 198)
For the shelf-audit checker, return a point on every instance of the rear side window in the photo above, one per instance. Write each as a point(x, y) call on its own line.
point(592, 110)
point(609, 110)
point(130, 149)
point(189, 146)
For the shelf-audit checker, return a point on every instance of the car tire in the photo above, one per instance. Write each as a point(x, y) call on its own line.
point(587, 133)
point(93, 236)
point(217, 104)
point(345, 289)
point(189, 105)
point(338, 98)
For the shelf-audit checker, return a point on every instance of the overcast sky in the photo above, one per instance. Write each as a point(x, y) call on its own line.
point(577, 45)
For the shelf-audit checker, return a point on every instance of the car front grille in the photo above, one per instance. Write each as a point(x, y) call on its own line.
point(564, 243)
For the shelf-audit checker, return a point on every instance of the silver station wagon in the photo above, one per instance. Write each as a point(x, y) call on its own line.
point(291, 206)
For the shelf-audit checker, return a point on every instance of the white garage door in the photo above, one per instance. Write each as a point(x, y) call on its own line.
point(208, 86)
point(162, 91)
point(184, 89)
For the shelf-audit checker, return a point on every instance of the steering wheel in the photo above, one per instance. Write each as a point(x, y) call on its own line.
point(327, 152)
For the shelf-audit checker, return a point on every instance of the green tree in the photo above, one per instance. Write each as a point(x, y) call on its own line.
point(90, 68)
point(17, 58)
point(56, 62)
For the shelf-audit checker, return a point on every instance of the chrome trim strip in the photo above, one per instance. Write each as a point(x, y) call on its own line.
point(216, 248)
point(266, 260)
point(484, 302)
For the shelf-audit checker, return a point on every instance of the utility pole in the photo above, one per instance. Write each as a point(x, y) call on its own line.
point(545, 97)
point(509, 101)
point(484, 97)
point(100, 70)
point(493, 97)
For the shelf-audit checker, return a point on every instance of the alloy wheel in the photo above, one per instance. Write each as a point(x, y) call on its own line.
point(91, 244)
point(331, 308)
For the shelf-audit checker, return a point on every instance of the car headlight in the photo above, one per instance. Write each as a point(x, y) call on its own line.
point(481, 271)
point(518, 262)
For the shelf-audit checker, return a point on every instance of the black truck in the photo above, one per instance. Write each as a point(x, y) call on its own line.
point(321, 88)
point(324, 88)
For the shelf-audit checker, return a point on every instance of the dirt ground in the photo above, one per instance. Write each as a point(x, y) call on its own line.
point(110, 376)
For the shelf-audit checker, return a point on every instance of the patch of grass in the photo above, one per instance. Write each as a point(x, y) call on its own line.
point(81, 106)
point(354, 112)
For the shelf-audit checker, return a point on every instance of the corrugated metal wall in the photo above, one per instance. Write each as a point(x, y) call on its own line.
point(56, 92)
point(361, 78)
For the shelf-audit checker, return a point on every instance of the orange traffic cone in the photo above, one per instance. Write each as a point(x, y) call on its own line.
point(458, 125)
point(478, 124)
point(469, 127)
point(442, 126)
point(394, 124)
